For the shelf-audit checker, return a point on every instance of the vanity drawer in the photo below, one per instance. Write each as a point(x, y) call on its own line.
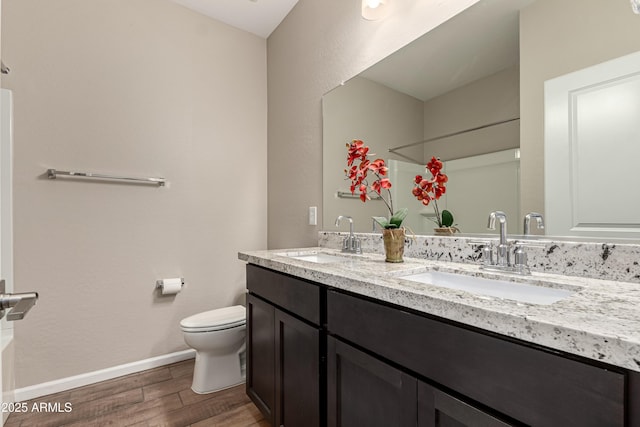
point(289, 293)
point(533, 386)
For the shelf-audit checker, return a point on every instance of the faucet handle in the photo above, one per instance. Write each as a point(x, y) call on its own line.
point(520, 256)
point(520, 260)
point(356, 246)
point(487, 255)
point(526, 243)
point(486, 249)
point(479, 243)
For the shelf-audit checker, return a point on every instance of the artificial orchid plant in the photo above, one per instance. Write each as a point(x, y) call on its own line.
point(430, 190)
point(359, 167)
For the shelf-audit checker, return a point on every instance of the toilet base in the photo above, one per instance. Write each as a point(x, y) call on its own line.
point(216, 372)
point(217, 389)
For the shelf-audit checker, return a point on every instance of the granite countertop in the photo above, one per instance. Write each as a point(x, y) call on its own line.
point(600, 320)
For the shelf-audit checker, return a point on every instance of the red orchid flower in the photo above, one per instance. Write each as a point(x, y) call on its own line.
point(359, 168)
point(378, 166)
point(356, 150)
point(428, 190)
point(379, 184)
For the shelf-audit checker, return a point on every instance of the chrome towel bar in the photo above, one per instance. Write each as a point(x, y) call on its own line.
point(53, 174)
point(347, 195)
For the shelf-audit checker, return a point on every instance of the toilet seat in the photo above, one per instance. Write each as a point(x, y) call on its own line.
point(215, 320)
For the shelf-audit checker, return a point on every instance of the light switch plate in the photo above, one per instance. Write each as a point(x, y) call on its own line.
point(313, 215)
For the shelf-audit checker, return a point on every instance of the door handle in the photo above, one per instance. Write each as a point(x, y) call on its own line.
point(19, 304)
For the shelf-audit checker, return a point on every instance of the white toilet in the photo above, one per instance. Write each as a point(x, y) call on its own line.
point(218, 336)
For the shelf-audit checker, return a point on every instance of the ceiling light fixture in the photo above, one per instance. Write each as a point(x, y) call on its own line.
point(376, 9)
point(635, 5)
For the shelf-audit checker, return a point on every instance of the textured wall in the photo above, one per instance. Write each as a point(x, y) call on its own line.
point(140, 87)
point(380, 116)
point(319, 45)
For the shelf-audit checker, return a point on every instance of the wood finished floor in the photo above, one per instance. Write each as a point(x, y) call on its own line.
point(157, 397)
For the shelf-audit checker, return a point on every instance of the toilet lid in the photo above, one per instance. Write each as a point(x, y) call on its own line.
point(222, 318)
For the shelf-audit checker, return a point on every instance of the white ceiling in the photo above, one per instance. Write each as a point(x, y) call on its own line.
point(259, 17)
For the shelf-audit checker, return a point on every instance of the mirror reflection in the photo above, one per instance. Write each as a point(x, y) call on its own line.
point(414, 105)
point(470, 88)
point(499, 170)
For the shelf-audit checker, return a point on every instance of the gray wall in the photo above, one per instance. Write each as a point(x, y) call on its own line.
point(140, 87)
point(319, 45)
point(382, 118)
point(488, 100)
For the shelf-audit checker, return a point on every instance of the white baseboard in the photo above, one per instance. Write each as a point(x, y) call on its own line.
point(38, 390)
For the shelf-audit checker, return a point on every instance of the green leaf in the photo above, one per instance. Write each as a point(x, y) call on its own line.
point(447, 218)
point(382, 221)
point(398, 217)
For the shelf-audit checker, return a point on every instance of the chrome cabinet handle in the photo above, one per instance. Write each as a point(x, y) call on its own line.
point(19, 304)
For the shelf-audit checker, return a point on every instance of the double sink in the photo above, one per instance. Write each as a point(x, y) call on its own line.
point(540, 293)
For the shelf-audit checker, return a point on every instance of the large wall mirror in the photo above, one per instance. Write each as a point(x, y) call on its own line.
point(471, 93)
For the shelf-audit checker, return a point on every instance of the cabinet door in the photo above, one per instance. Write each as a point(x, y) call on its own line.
point(538, 388)
point(260, 381)
point(364, 391)
point(297, 372)
point(438, 409)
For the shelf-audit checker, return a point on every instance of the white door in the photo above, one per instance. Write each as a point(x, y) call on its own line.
point(12, 306)
point(6, 252)
point(591, 151)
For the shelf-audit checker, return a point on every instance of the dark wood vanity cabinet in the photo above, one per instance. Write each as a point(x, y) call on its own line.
point(465, 377)
point(284, 351)
point(319, 356)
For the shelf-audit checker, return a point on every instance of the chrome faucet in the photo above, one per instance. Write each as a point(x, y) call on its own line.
point(527, 222)
point(502, 260)
point(520, 255)
point(502, 250)
point(350, 243)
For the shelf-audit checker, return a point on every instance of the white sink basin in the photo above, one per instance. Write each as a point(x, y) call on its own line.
point(493, 288)
point(316, 257)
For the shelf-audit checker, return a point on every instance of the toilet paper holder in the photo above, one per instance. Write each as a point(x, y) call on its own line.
point(170, 286)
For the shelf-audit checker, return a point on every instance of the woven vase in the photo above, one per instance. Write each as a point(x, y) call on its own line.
point(393, 244)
